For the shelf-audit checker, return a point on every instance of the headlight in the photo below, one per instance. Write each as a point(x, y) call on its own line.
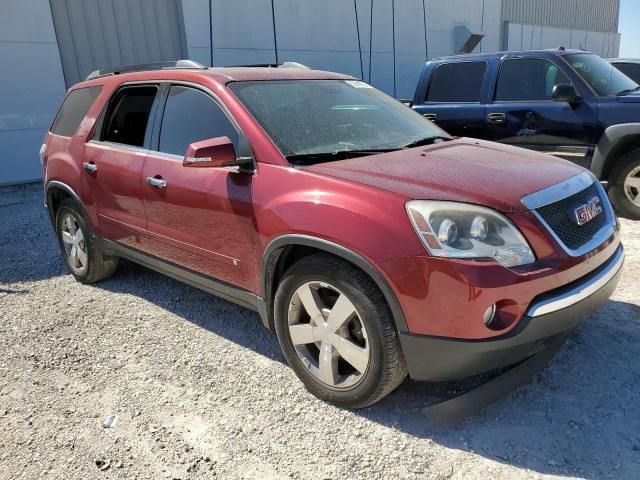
point(462, 230)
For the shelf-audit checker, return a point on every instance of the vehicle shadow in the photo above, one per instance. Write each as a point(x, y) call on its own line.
point(196, 306)
point(577, 417)
point(11, 291)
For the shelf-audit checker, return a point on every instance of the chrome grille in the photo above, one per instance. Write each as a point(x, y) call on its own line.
point(561, 218)
point(555, 206)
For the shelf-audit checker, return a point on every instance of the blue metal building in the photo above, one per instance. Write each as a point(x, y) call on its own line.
point(48, 45)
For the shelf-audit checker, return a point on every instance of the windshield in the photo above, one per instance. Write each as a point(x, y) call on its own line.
point(311, 117)
point(603, 77)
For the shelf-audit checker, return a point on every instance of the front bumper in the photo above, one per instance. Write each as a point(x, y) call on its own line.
point(549, 317)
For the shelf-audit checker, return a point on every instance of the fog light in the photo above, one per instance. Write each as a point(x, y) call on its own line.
point(489, 315)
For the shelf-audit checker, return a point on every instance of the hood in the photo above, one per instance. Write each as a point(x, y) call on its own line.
point(462, 170)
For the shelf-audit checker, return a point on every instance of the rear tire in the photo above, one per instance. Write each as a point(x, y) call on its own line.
point(624, 185)
point(86, 262)
point(346, 349)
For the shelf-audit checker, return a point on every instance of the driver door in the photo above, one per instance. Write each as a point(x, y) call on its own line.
point(523, 113)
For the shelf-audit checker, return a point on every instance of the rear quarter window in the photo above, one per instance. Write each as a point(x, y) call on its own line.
point(459, 82)
point(73, 110)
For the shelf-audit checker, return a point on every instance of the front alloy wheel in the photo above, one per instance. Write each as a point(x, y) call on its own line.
point(632, 186)
point(337, 333)
point(327, 334)
point(624, 185)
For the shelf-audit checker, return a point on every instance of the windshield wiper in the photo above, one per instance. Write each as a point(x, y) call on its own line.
point(426, 141)
point(627, 91)
point(318, 157)
point(309, 158)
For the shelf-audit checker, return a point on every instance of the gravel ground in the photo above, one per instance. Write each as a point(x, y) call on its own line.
point(200, 388)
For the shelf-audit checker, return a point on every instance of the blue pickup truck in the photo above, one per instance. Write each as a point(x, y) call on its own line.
point(568, 103)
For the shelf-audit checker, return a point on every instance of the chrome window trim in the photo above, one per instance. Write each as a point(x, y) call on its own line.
point(565, 189)
point(581, 291)
point(171, 156)
point(120, 146)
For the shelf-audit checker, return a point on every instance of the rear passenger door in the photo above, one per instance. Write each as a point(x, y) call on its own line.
point(452, 98)
point(523, 113)
point(201, 218)
point(113, 163)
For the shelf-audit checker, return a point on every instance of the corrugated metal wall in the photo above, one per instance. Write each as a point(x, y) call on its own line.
point(593, 15)
point(386, 42)
point(519, 36)
point(94, 34)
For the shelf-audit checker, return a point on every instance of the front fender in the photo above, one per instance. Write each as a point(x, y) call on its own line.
point(363, 225)
point(372, 224)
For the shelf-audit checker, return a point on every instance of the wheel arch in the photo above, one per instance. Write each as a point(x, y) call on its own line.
point(615, 142)
point(55, 193)
point(286, 249)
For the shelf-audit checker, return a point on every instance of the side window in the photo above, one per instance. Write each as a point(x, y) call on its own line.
point(527, 79)
point(73, 110)
point(190, 116)
point(457, 82)
point(128, 115)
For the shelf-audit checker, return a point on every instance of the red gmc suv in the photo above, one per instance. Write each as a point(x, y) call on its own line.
point(372, 242)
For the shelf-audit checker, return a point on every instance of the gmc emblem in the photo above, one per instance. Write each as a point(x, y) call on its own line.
point(587, 212)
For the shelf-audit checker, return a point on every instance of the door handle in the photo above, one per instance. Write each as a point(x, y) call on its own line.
point(497, 118)
point(90, 167)
point(430, 116)
point(156, 182)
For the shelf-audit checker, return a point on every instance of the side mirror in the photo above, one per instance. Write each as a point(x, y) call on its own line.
point(565, 92)
point(216, 153)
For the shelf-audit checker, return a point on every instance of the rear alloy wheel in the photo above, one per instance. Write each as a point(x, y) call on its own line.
point(86, 262)
point(74, 244)
point(337, 332)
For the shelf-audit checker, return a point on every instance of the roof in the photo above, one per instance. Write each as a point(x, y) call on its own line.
point(221, 75)
point(243, 74)
point(551, 51)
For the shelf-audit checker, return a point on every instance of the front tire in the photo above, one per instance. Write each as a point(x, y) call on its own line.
point(624, 185)
point(86, 262)
point(337, 333)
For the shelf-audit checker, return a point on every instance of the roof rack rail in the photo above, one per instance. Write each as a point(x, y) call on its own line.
point(176, 64)
point(275, 65)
